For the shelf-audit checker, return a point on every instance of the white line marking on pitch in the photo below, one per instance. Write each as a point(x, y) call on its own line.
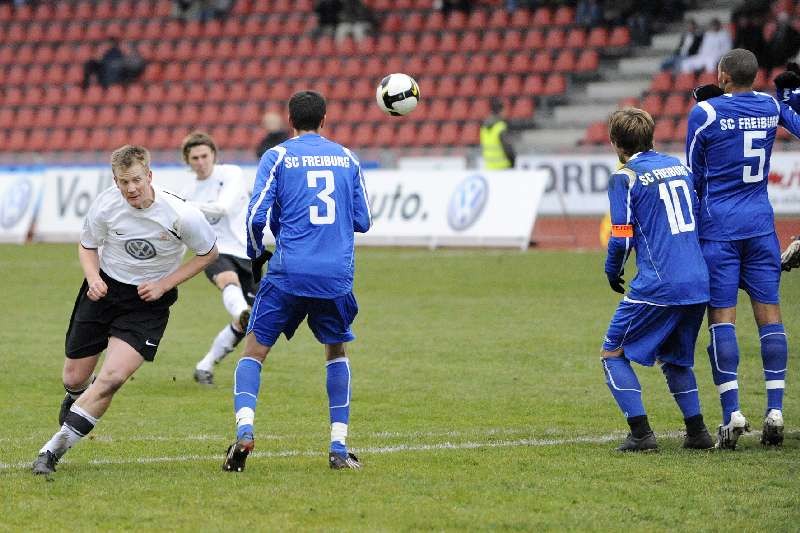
point(590, 439)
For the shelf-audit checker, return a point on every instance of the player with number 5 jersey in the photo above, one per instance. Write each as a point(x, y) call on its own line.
point(310, 192)
point(728, 147)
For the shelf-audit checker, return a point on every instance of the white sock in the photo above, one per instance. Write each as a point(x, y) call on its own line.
point(223, 345)
point(233, 300)
point(339, 432)
point(64, 439)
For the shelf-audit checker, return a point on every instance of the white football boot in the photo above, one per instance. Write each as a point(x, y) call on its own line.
point(772, 434)
point(729, 433)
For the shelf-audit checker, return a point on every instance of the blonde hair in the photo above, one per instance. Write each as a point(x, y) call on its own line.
point(631, 130)
point(126, 156)
point(197, 138)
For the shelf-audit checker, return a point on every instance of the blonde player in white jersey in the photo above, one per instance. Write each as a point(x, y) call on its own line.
point(132, 244)
point(219, 191)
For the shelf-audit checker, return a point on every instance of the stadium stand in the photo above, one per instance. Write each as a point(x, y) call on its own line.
point(221, 75)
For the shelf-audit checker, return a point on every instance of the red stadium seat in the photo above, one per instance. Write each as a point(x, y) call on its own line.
point(127, 115)
point(653, 104)
point(489, 86)
point(565, 62)
point(596, 133)
point(676, 105)
point(665, 131)
point(681, 129)
point(534, 40)
point(364, 135)
point(588, 61)
point(576, 38)
point(470, 134)
point(498, 19)
point(449, 43)
point(406, 134)
point(449, 134)
point(662, 82)
point(620, 36)
point(477, 20)
point(470, 42)
point(65, 117)
point(556, 38)
point(478, 64)
point(106, 116)
point(436, 66)
point(434, 22)
point(520, 18)
point(684, 82)
point(598, 38)
point(555, 84)
point(543, 17)
point(86, 117)
point(564, 16)
point(542, 63)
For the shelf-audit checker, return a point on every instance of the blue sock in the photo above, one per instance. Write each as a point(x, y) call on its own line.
point(624, 386)
point(723, 352)
point(246, 382)
point(683, 386)
point(774, 355)
point(338, 385)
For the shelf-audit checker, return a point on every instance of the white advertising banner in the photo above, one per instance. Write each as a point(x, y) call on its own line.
point(19, 196)
point(578, 185)
point(464, 208)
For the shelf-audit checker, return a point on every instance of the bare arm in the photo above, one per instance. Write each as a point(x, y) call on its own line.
point(150, 291)
point(90, 263)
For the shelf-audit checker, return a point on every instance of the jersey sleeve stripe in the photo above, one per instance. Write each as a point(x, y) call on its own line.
point(711, 116)
point(253, 241)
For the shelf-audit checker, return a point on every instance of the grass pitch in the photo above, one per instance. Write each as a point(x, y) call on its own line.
point(478, 403)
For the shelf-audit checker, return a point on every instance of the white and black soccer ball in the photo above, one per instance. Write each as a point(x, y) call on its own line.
point(397, 94)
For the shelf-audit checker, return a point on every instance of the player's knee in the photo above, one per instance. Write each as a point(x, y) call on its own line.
point(75, 378)
point(223, 279)
point(109, 383)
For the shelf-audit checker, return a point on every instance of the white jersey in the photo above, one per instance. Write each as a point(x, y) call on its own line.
point(223, 199)
point(138, 245)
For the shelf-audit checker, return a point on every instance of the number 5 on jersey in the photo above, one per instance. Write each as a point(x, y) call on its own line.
point(324, 195)
point(672, 203)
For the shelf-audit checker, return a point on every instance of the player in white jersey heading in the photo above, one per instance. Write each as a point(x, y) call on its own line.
point(131, 247)
point(219, 191)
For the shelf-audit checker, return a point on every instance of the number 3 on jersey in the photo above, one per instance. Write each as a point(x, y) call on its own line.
point(672, 203)
point(324, 195)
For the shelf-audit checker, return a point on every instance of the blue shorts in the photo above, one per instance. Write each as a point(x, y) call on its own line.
point(276, 312)
point(648, 332)
point(752, 264)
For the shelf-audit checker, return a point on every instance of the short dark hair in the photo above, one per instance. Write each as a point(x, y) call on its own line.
point(306, 110)
point(631, 130)
point(741, 65)
point(197, 138)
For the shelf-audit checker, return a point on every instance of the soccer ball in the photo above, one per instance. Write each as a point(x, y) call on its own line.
point(397, 94)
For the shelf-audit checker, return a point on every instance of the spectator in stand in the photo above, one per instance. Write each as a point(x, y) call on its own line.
point(750, 35)
point(498, 152)
point(688, 46)
point(448, 6)
point(589, 13)
point(202, 10)
point(114, 66)
point(329, 14)
point(357, 20)
point(784, 44)
point(716, 43)
point(276, 133)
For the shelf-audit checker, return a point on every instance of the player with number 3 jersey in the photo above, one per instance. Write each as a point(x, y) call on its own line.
point(310, 192)
point(728, 147)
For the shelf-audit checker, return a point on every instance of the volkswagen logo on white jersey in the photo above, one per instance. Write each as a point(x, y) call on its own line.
point(140, 249)
point(467, 202)
point(15, 202)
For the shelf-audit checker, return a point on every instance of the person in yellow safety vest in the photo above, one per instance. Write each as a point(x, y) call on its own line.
point(498, 153)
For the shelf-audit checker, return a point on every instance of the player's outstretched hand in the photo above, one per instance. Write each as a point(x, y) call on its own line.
point(150, 291)
point(97, 289)
point(615, 281)
point(702, 93)
point(790, 258)
point(257, 265)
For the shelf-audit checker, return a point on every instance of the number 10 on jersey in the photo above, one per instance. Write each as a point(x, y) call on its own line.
point(668, 192)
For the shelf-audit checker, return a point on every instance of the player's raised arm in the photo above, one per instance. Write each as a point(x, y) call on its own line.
point(701, 117)
point(264, 191)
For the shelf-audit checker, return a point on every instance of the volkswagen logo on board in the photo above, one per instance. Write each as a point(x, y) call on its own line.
point(467, 202)
point(15, 202)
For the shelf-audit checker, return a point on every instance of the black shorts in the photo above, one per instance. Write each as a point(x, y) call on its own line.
point(231, 263)
point(121, 314)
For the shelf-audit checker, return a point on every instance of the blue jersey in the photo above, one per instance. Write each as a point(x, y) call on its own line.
point(790, 97)
point(653, 210)
point(728, 146)
point(311, 193)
